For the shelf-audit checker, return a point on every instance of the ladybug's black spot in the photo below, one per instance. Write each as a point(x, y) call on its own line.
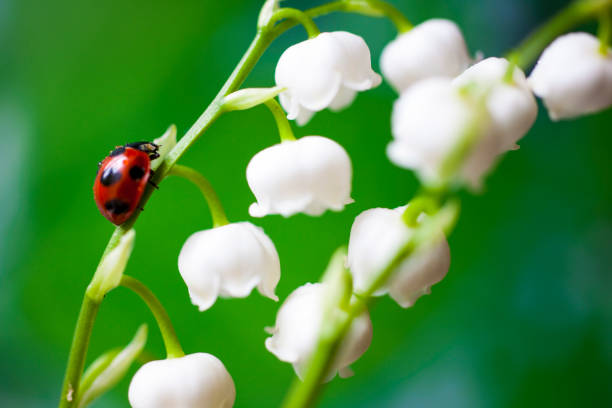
point(110, 176)
point(136, 172)
point(116, 206)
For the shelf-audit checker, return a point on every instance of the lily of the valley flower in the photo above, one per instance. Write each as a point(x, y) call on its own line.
point(298, 326)
point(435, 48)
point(573, 76)
point(197, 380)
point(428, 121)
point(324, 72)
point(309, 175)
point(376, 236)
point(229, 261)
point(510, 104)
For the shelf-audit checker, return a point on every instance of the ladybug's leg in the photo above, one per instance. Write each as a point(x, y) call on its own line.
point(151, 172)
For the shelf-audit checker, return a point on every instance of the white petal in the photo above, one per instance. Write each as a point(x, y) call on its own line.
point(308, 71)
point(419, 131)
point(512, 107)
point(309, 175)
point(229, 261)
point(431, 49)
point(344, 98)
point(297, 330)
point(316, 71)
point(356, 68)
point(197, 380)
point(419, 272)
point(573, 77)
point(376, 237)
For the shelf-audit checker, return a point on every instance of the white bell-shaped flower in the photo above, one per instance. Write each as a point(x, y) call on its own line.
point(309, 175)
point(229, 261)
point(376, 237)
point(511, 105)
point(431, 49)
point(298, 326)
point(324, 72)
point(428, 121)
point(573, 76)
point(197, 380)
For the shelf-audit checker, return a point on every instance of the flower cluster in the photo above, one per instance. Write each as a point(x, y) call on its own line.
point(453, 120)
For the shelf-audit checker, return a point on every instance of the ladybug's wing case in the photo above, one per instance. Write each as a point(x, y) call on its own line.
point(120, 183)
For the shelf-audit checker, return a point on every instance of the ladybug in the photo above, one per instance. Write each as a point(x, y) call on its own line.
point(122, 178)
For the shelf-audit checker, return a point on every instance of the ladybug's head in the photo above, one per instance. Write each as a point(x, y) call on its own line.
point(147, 147)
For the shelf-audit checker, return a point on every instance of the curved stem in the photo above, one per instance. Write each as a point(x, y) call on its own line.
point(78, 351)
point(214, 204)
point(298, 16)
point(401, 23)
point(424, 203)
point(284, 127)
point(577, 12)
point(171, 341)
point(372, 8)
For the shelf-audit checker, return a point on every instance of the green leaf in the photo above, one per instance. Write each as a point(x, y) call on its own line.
point(109, 272)
point(249, 97)
point(166, 142)
point(108, 369)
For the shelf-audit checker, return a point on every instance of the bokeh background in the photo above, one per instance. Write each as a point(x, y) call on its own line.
point(524, 317)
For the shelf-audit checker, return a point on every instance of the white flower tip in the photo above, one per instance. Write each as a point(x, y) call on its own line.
point(434, 48)
point(316, 72)
point(195, 380)
point(573, 77)
point(309, 175)
point(228, 261)
point(255, 210)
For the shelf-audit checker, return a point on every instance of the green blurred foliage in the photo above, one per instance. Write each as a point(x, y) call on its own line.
point(524, 317)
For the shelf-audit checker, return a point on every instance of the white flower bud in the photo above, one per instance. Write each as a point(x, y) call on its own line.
point(197, 380)
point(229, 261)
point(428, 121)
point(309, 175)
point(324, 72)
point(573, 77)
point(433, 48)
point(511, 106)
point(298, 327)
point(376, 237)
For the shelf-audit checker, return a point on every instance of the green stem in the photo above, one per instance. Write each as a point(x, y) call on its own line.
point(305, 393)
point(214, 204)
point(401, 23)
point(604, 30)
point(372, 8)
point(263, 38)
point(78, 351)
point(284, 127)
point(425, 203)
point(171, 341)
point(576, 13)
point(298, 16)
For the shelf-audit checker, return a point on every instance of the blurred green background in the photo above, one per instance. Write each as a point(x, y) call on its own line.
point(524, 317)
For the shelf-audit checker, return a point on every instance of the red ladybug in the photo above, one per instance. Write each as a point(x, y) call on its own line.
point(122, 178)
